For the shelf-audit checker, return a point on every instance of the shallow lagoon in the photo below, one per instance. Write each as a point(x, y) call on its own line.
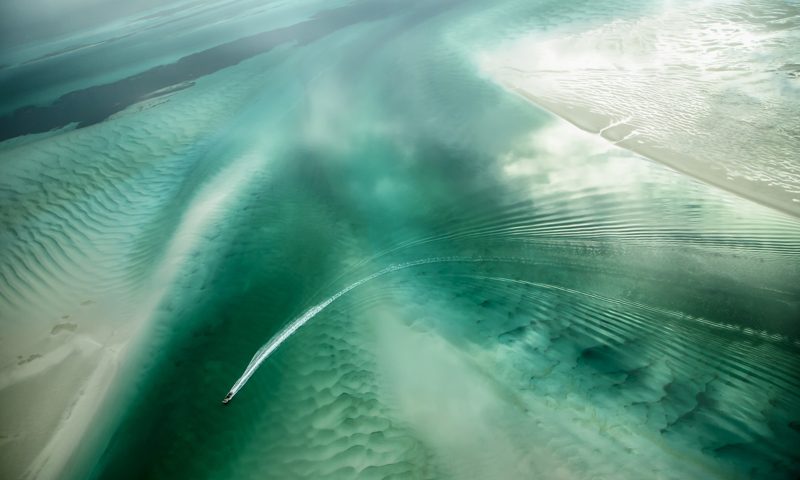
point(576, 310)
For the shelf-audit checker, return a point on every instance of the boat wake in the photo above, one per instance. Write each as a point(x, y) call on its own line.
point(265, 351)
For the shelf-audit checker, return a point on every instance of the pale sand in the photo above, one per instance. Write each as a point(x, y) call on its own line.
point(59, 407)
point(619, 134)
point(77, 325)
point(49, 400)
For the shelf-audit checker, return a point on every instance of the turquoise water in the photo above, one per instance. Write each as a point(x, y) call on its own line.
point(565, 307)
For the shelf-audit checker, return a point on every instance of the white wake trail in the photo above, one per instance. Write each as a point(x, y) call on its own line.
point(264, 352)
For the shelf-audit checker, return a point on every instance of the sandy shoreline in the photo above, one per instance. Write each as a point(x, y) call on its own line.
point(619, 133)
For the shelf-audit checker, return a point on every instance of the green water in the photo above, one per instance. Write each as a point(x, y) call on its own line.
point(623, 317)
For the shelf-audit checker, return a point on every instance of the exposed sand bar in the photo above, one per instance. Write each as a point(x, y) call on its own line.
point(623, 135)
point(711, 90)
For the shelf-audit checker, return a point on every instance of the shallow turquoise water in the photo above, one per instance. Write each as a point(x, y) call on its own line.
point(582, 312)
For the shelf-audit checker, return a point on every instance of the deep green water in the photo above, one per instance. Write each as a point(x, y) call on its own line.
point(586, 312)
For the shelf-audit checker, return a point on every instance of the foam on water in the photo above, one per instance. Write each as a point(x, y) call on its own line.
point(264, 352)
point(708, 88)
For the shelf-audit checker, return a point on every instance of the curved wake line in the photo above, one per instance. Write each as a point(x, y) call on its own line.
point(264, 352)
